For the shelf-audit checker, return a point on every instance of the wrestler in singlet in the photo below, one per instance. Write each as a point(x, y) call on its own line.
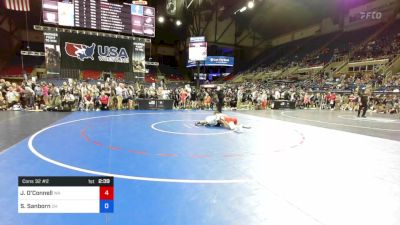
point(229, 119)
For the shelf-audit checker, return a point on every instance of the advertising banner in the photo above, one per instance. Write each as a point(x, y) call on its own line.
point(79, 51)
point(137, 24)
point(139, 57)
point(198, 51)
point(202, 76)
point(143, 20)
point(192, 63)
point(197, 39)
point(219, 61)
point(149, 26)
point(214, 61)
point(52, 52)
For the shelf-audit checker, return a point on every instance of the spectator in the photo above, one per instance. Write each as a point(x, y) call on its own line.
point(103, 99)
point(3, 103)
point(88, 100)
point(118, 94)
point(68, 101)
point(12, 97)
point(183, 96)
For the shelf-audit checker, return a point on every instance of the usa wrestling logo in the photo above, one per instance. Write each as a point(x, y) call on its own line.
point(80, 51)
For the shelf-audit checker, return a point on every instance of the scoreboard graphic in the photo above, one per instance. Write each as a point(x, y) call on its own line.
point(197, 49)
point(65, 194)
point(100, 15)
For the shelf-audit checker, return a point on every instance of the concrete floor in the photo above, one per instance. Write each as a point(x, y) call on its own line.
point(17, 125)
point(375, 125)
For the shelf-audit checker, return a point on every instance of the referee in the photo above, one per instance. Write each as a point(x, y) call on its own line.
point(363, 104)
point(220, 103)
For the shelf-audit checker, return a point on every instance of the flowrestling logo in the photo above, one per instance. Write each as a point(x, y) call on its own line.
point(373, 15)
point(80, 51)
point(104, 53)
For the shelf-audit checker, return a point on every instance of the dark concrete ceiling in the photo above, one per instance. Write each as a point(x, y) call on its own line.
point(272, 18)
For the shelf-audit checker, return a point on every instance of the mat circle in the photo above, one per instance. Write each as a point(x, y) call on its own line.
point(122, 176)
point(154, 127)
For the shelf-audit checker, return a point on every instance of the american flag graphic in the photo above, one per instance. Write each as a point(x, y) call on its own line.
point(17, 5)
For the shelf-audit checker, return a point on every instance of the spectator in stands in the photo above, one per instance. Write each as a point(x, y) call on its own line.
point(55, 98)
point(207, 101)
point(193, 99)
point(239, 97)
point(38, 95)
point(95, 91)
point(249, 94)
point(106, 89)
point(306, 101)
point(68, 101)
point(118, 94)
point(200, 98)
point(64, 88)
point(5, 88)
point(28, 96)
point(45, 93)
point(103, 100)
point(12, 97)
point(174, 95)
point(183, 97)
point(332, 100)
point(2, 83)
point(132, 97)
point(277, 95)
point(3, 103)
point(88, 101)
point(125, 97)
point(263, 99)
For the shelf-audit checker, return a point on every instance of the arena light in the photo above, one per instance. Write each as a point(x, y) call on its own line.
point(243, 9)
point(250, 5)
point(178, 23)
point(161, 19)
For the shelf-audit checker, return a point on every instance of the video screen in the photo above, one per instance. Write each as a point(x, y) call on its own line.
point(100, 15)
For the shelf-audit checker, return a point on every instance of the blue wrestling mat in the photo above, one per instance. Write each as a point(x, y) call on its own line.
point(167, 171)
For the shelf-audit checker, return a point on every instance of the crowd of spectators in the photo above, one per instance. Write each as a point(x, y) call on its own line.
point(335, 94)
point(319, 92)
point(71, 96)
point(385, 46)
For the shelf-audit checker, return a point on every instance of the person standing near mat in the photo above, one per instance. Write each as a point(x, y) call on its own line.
point(221, 96)
point(363, 103)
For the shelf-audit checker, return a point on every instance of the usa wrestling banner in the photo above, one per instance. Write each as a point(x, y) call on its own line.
point(80, 51)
